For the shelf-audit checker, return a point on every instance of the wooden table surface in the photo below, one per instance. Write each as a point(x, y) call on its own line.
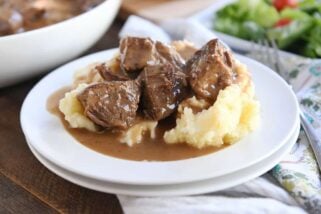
point(26, 186)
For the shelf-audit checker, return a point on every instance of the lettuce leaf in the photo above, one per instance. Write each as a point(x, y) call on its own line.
point(313, 41)
point(259, 12)
point(295, 14)
point(285, 36)
point(246, 18)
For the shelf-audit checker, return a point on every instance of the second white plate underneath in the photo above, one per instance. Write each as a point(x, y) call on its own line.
point(192, 188)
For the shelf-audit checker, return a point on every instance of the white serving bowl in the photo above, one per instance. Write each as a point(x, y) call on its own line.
point(30, 53)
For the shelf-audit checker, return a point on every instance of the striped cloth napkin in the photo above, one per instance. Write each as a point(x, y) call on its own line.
point(292, 186)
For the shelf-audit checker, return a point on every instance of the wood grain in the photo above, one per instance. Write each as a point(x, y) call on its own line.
point(25, 185)
point(14, 199)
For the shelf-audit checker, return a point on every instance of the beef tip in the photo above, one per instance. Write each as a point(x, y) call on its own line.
point(108, 74)
point(184, 48)
point(167, 53)
point(163, 88)
point(86, 5)
point(111, 71)
point(210, 70)
point(135, 53)
point(33, 14)
point(11, 19)
point(112, 105)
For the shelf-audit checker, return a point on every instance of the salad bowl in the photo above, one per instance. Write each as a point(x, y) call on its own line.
point(297, 31)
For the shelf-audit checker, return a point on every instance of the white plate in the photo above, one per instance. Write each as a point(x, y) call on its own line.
point(206, 18)
point(51, 140)
point(206, 186)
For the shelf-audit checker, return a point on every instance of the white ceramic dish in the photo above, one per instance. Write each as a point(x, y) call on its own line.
point(51, 140)
point(206, 18)
point(206, 186)
point(30, 53)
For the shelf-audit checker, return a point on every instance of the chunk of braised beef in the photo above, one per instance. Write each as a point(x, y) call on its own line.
point(33, 14)
point(111, 72)
point(5, 28)
point(164, 86)
point(210, 70)
point(168, 54)
point(86, 5)
point(112, 105)
point(135, 52)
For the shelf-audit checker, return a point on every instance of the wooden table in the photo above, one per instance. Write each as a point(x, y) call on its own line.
point(26, 186)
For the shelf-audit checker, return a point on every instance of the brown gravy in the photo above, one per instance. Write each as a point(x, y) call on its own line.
point(107, 143)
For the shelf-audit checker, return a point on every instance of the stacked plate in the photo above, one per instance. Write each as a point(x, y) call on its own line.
point(247, 159)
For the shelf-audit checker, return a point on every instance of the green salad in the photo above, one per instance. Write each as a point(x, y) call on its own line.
point(294, 25)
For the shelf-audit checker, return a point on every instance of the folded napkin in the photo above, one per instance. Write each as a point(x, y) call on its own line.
point(293, 186)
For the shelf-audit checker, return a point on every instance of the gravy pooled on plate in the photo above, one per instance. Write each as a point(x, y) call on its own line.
point(150, 103)
point(109, 143)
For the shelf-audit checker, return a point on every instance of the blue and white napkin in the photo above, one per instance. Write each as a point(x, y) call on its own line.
point(292, 186)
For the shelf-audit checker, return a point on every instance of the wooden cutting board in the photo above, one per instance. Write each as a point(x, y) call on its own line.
point(160, 10)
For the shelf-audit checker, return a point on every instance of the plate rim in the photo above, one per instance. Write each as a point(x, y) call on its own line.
point(23, 125)
point(212, 184)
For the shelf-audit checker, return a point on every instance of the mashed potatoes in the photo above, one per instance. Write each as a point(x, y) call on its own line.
point(233, 115)
point(71, 107)
point(73, 110)
point(74, 114)
point(134, 134)
point(87, 75)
